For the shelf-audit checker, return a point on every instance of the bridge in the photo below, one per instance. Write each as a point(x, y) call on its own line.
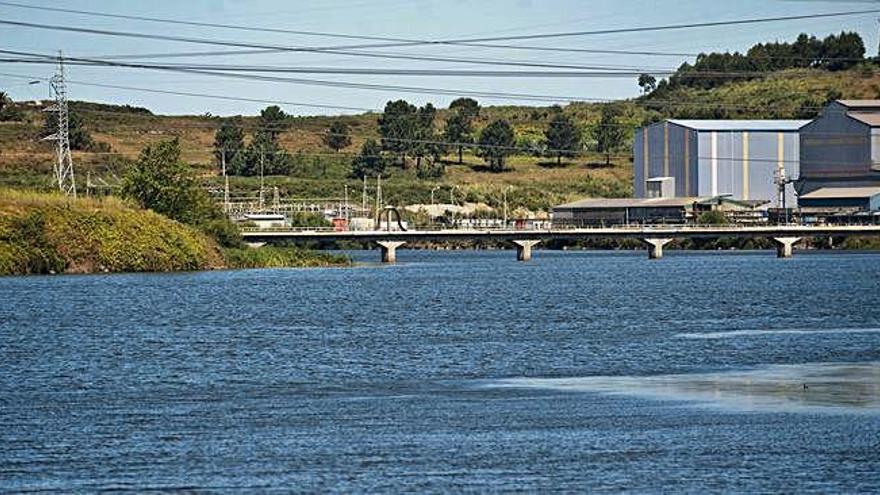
point(654, 237)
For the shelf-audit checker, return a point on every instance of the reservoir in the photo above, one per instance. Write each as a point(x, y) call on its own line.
point(449, 372)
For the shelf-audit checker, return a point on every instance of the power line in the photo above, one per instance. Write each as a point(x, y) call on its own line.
point(337, 84)
point(216, 53)
point(342, 84)
point(388, 41)
point(197, 95)
point(403, 42)
point(668, 27)
point(584, 71)
point(594, 71)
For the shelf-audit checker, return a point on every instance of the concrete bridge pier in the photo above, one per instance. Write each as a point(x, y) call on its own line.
point(655, 247)
point(389, 250)
point(784, 246)
point(524, 249)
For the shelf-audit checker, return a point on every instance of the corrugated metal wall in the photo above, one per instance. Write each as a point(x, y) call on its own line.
point(639, 163)
point(711, 163)
point(835, 149)
point(665, 150)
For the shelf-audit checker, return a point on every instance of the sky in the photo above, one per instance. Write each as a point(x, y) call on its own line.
point(411, 19)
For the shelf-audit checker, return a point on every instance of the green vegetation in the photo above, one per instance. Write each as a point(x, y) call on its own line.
point(80, 139)
point(337, 136)
point(229, 147)
point(7, 109)
point(609, 133)
point(407, 130)
point(861, 243)
point(460, 124)
point(496, 142)
point(370, 162)
point(48, 233)
point(563, 137)
point(162, 182)
point(280, 257)
point(712, 217)
point(834, 53)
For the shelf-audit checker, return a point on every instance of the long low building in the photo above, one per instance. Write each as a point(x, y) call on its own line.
point(615, 211)
point(739, 159)
point(854, 198)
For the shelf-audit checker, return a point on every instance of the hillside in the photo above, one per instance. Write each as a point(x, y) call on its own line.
point(47, 233)
point(532, 182)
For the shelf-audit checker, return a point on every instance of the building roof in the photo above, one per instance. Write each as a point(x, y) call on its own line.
point(870, 118)
point(860, 104)
point(629, 203)
point(842, 192)
point(741, 125)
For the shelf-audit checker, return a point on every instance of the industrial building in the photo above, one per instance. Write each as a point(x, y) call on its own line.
point(841, 148)
point(739, 159)
point(843, 198)
point(620, 211)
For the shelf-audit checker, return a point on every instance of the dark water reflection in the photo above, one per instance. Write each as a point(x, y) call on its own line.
point(451, 371)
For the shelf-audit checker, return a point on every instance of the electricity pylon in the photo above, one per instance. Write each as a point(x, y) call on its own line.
point(63, 161)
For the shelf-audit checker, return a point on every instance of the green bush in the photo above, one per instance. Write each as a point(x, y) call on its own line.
point(280, 257)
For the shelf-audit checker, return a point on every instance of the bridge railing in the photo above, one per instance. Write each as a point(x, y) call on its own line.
point(621, 228)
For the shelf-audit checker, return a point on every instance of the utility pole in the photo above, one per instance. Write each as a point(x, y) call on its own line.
point(346, 208)
point(378, 201)
point(225, 184)
point(262, 201)
point(505, 205)
point(63, 160)
point(364, 197)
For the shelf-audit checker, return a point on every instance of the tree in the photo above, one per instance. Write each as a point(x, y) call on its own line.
point(273, 121)
point(7, 110)
point(369, 162)
point(712, 217)
point(423, 139)
point(397, 127)
point(468, 107)
point(162, 182)
point(840, 52)
point(79, 137)
point(229, 146)
point(459, 126)
point(608, 133)
point(264, 154)
point(337, 136)
point(648, 83)
point(563, 137)
point(496, 143)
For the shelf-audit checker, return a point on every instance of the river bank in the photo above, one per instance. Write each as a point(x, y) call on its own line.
point(47, 234)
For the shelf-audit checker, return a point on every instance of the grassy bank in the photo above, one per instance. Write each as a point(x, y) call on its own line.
point(280, 257)
point(47, 233)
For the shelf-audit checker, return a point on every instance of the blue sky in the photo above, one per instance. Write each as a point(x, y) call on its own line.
point(421, 19)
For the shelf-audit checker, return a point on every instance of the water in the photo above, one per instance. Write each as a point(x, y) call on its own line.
point(452, 371)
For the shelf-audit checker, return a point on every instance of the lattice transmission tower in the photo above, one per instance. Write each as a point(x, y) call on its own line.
point(63, 160)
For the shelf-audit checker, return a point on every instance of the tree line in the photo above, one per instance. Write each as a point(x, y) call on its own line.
point(834, 53)
point(411, 138)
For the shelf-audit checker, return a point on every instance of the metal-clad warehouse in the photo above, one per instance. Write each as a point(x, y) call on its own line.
point(736, 158)
point(855, 198)
point(841, 148)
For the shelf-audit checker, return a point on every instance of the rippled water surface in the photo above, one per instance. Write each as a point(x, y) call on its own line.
point(451, 371)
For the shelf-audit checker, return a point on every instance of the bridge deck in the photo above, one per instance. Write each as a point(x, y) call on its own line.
point(652, 232)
